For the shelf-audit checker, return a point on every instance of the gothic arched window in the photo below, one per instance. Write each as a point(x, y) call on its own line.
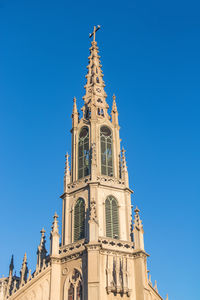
point(106, 151)
point(71, 292)
point(74, 287)
point(79, 292)
point(112, 218)
point(79, 219)
point(83, 153)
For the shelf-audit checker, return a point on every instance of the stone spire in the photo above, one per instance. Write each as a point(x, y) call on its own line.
point(75, 114)
point(67, 176)
point(24, 271)
point(55, 236)
point(95, 95)
point(11, 267)
point(41, 252)
point(138, 231)
point(10, 278)
point(114, 112)
point(124, 170)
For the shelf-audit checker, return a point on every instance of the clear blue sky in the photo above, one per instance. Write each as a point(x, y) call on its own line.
point(151, 60)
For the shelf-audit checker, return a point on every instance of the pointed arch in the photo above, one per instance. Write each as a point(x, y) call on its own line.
point(79, 219)
point(112, 217)
point(83, 153)
point(106, 151)
point(73, 289)
point(71, 292)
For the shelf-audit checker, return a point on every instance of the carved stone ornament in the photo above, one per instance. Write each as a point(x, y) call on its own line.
point(65, 271)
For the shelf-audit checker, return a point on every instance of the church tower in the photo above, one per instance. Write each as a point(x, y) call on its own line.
point(99, 255)
point(101, 249)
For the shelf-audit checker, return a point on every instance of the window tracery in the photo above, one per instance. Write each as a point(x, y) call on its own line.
point(83, 153)
point(106, 151)
point(75, 290)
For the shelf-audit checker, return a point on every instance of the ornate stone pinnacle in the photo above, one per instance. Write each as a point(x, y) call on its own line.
point(67, 168)
point(136, 210)
point(42, 232)
point(137, 220)
point(11, 267)
point(114, 106)
point(55, 224)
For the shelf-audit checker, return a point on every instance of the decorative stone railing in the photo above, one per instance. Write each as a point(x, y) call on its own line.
point(101, 179)
point(72, 248)
point(110, 180)
point(115, 244)
point(78, 183)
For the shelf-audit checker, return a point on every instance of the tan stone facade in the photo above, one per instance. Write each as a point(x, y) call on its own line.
point(101, 255)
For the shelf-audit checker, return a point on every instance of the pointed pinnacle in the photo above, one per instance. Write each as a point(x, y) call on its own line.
point(55, 216)
point(114, 106)
point(42, 232)
point(12, 263)
point(124, 166)
point(136, 210)
point(67, 168)
point(55, 223)
point(25, 258)
point(74, 106)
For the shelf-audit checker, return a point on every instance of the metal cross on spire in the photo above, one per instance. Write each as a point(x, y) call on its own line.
point(94, 32)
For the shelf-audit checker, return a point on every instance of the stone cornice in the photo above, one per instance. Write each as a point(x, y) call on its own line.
point(105, 181)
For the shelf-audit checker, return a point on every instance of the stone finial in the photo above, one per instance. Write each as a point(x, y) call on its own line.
point(75, 110)
point(55, 236)
point(114, 112)
point(114, 106)
point(137, 220)
point(149, 279)
point(24, 271)
point(55, 223)
point(124, 166)
point(155, 286)
point(67, 167)
point(138, 231)
point(41, 252)
point(67, 176)
point(11, 267)
point(75, 114)
point(124, 170)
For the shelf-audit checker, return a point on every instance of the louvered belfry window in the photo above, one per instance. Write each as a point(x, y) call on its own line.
point(83, 153)
point(112, 218)
point(106, 151)
point(79, 219)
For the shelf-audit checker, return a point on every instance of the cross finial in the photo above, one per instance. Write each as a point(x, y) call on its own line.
point(94, 32)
